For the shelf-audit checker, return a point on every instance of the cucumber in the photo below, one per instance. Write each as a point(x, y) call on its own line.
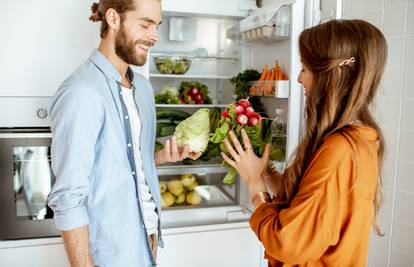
point(172, 114)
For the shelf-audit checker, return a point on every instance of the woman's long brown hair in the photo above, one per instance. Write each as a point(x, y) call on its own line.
point(339, 93)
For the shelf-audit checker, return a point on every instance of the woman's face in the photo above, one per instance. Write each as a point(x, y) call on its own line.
point(305, 78)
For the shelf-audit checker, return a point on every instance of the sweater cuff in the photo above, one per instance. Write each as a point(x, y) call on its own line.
point(262, 212)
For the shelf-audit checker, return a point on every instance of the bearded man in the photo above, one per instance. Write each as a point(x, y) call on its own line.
point(106, 197)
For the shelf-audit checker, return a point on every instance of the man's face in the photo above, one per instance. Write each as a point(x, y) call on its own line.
point(138, 32)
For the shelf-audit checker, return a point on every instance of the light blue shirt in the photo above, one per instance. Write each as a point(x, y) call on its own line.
point(93, 162)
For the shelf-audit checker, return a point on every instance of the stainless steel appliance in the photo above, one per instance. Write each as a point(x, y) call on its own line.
point(25, 181)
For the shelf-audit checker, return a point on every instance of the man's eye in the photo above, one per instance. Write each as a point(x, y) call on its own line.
point(144, 26)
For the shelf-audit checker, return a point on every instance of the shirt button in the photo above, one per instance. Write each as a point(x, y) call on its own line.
point(129, 144)
point(133, 173)
point(126, 117)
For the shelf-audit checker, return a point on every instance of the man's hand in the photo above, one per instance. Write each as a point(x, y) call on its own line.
point(171, 153)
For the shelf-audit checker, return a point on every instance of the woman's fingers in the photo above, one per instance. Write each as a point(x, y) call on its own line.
point(246, 141)
point(266, 153)
point(236, 142)
point(231, 150)
point(229, 161)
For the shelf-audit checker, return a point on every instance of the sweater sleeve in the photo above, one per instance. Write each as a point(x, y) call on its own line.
point(305, 230)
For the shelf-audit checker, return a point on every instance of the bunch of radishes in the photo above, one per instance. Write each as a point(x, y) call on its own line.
point(245, 114)
point(193, 96)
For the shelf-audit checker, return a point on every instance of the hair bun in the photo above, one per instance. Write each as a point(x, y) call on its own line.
point(96, 16)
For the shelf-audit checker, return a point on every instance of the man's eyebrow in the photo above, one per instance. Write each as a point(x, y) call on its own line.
point(150, 20)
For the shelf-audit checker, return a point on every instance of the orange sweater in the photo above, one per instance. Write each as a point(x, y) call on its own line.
point(328, 222)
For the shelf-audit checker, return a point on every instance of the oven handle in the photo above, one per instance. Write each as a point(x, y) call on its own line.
point(25, 135)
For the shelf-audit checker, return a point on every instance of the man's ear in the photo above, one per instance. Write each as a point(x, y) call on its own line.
point(113, 19)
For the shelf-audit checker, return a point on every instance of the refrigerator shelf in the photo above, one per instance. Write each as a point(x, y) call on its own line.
point(190, 105)
point(191, 57)
point(183, 169)
point(202, 216)
point(190, 76)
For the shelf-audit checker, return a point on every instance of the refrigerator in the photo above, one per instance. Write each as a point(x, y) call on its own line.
point(218, 40)
point(217, 49)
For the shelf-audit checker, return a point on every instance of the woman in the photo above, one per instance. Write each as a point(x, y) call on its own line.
point(321, 211)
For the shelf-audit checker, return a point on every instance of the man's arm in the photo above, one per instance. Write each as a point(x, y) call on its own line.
point(77, 247)
point(75, 124)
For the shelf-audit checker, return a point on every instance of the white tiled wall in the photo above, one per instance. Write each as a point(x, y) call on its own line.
point(395, 113)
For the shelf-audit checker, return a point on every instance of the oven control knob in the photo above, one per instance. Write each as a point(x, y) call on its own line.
point(41, 113)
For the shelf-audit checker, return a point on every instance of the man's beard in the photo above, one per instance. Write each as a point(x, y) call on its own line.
point(125, 48)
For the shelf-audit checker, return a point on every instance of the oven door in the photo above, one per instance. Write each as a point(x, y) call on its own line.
point(26, 180)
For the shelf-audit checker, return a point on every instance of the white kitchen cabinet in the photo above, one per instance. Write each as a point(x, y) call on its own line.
point(229, 245)
point(222, 245)
point(215, 8)
point(43, 42)
point(47, 252)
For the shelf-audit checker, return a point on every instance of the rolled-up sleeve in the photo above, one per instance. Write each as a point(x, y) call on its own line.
point(77, 118)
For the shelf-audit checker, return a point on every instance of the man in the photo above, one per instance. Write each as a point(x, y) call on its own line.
point(106, 197)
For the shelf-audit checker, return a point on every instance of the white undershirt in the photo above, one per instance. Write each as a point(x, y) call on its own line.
point(149, 213)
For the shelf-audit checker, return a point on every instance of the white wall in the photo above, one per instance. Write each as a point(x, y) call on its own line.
point(395, 112)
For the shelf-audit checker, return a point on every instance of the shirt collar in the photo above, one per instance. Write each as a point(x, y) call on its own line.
point(107, 68)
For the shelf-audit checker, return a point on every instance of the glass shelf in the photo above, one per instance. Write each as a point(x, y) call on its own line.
point(187, 56)
point(190, 105)
point(190, 76)
point(183, 169)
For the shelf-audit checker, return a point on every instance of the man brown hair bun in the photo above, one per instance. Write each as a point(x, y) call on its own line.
point(96, 15)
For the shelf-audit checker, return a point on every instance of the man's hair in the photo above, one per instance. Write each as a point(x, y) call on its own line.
point(99, 11)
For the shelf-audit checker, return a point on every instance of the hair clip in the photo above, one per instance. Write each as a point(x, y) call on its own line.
point(347, 61)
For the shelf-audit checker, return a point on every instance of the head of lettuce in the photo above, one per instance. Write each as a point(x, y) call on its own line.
point(194, 131)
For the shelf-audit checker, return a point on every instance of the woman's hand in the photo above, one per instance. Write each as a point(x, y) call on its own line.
point(171, 153)
point(250, 167)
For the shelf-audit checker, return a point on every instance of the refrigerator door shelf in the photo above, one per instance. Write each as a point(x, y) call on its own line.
point(177, 218)
point(184, 169)
point(277, 89)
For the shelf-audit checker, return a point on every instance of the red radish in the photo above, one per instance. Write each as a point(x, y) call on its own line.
point(253, 121)
point(244, 103)
point(198, 97)
point(249, 111)
point(225, 114)
point(194, 91)
point(189, 98)
point(239, 110)
point(241, 119)
point(200, 101)
point(255, 115)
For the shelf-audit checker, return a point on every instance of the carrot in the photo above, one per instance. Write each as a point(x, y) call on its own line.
point(280, 75)
point(269, 73)
point(273, 75)
point(264, 73)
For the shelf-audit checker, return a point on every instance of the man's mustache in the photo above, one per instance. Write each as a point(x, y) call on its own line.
point(146, 43)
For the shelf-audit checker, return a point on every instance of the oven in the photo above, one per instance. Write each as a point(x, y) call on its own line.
point(26, 176)
point(26, 180)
